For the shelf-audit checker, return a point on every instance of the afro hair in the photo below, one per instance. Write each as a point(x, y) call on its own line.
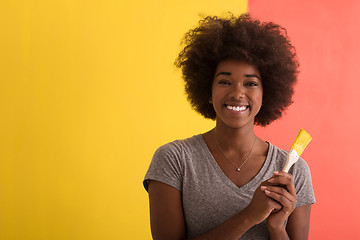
point(264, 45)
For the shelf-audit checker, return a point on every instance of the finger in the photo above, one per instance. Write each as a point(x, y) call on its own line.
point(282, 196)
point(280, 191)
point(281, 178)
point(285, 179)
point(276, 206)
point(281, 199)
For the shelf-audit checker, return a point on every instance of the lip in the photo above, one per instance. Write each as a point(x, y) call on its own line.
point(239, 102)
point(236, 108)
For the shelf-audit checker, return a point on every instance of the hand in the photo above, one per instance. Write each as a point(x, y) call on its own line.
point(261, 206)
point(280, 188)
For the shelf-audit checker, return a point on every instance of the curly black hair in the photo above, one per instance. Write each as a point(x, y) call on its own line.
point(265, 45)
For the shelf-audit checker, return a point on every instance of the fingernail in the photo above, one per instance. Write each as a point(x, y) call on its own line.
point(263, 187)
point(267, 192)
point(271, 180)
point(276, 172)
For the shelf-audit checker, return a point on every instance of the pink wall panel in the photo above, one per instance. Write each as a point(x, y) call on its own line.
point(326, 103)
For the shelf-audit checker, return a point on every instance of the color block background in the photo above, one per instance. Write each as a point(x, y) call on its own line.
point(326, 103)
point(88, 91)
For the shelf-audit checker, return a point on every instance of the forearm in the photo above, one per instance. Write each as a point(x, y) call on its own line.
point(231, 229)
point(278, 234)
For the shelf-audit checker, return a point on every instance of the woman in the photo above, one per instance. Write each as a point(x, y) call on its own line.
point(226, 184)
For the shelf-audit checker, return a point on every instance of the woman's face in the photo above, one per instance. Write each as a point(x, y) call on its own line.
point(236, 93)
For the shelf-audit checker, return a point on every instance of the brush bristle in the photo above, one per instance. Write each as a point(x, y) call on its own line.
point(301, 141)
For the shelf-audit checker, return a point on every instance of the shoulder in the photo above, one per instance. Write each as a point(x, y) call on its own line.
point(176, 153)
point(279, 156)
point(300, 170)
point(301, 176)
point(179, 147)
point(169, 160)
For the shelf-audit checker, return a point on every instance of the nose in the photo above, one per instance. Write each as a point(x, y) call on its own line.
point(238, 91)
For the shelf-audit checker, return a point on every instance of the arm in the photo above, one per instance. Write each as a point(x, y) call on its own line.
point(167, 217)
point(283, 191)
point(299, 222)
point(166, 213)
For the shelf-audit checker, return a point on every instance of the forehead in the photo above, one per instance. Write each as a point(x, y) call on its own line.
point(236, 68)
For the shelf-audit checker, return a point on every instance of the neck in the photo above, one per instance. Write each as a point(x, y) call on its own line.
point(239, 140)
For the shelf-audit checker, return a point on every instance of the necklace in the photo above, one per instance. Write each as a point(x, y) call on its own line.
point(237, 168)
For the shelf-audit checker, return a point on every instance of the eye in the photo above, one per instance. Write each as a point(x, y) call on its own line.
point(224, 82)
point(252, 84)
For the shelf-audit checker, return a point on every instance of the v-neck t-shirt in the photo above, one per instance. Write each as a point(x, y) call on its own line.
point(209, 197)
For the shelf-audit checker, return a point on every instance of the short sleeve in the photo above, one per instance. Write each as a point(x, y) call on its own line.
point(166, 166)
point(303, 184)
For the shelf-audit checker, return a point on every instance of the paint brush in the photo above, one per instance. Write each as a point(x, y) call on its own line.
point(302, 140)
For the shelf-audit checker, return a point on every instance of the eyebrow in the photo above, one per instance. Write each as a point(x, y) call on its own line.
point(246, 75)
point(223, 73)
point(252, 75)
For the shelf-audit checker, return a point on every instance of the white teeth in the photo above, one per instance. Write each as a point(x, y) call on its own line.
point(238, 108)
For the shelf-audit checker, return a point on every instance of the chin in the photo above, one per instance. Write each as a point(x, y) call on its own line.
point(237, 124)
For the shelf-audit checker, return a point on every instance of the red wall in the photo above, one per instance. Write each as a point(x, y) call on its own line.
point(326, 103)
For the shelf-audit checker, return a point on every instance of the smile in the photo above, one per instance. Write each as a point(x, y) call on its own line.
point(236, 108)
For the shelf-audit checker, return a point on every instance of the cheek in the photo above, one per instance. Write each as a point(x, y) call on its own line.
point(216, 95)
point(261, 95)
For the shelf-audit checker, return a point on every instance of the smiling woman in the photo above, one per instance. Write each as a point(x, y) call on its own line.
point(236, 93)
point(225, 183)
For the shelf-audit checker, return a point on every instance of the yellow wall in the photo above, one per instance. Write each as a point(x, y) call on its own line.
point(87, 93)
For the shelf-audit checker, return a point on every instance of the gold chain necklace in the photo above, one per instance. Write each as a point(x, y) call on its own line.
point(237, 168)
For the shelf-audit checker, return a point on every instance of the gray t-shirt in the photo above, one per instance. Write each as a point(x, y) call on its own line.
point(209, 197)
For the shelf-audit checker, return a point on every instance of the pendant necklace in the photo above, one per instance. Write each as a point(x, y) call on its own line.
point(237, 168)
